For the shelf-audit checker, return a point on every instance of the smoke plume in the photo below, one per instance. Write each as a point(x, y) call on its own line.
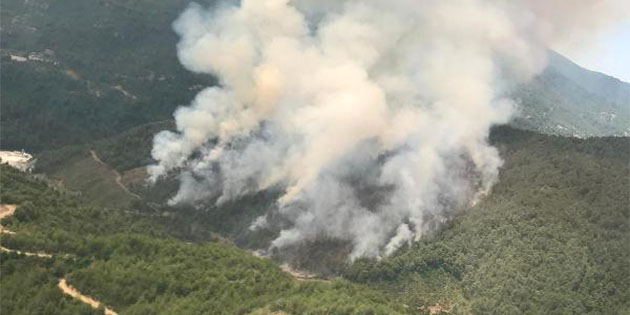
point(371, 117)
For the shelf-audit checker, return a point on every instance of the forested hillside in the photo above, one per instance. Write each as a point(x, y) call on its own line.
point(129, 262)
point(76, 71)
point(87, 84)
point(552, 238)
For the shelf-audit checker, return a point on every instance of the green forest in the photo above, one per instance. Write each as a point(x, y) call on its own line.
point(131, 264)
point(102, 78)
point(106, 66)
point(551, 238)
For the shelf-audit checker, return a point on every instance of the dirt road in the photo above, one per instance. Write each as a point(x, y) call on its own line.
point(116, 174)
point(6, 211)
point(42, 255)
point(71, 291)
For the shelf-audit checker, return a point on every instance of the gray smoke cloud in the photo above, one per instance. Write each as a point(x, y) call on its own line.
point(371, 116)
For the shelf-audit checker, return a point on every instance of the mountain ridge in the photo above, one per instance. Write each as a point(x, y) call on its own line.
point(569, 100)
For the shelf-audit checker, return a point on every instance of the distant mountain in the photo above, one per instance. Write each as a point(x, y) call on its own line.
point(569, 100)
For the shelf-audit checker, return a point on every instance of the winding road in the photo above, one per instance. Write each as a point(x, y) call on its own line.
point(71, 291)
point(9, 210)
point(116, 174)
point(42, 255)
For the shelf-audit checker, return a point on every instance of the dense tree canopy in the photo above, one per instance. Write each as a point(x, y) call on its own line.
point(552, 238)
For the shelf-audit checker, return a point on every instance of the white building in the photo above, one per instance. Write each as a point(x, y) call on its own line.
point(18, 159)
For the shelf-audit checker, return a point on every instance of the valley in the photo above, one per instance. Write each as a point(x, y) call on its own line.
point(87, 86)
point(441, 270)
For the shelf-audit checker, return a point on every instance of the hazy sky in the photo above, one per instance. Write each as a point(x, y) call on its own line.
point(610, 55)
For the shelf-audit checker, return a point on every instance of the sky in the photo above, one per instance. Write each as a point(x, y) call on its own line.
point(609, 55)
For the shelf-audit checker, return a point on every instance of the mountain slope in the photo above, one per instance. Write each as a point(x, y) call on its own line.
point(129, 262)
point(75, 71)
point(552, 238)
point(609, 88)
point(569, 100)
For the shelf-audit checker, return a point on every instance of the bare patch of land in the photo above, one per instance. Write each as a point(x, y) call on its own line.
point(301, 275)
point(436, 309)
point(6, 211)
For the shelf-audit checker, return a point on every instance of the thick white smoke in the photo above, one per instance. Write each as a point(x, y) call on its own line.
point(372, 116)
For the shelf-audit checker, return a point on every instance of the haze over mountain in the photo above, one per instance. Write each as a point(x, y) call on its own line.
point(84, 55)
point(427, 80)
point(538, 224)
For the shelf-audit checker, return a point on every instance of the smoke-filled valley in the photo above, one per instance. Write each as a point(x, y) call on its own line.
point(371, 118)
point(312, 157)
